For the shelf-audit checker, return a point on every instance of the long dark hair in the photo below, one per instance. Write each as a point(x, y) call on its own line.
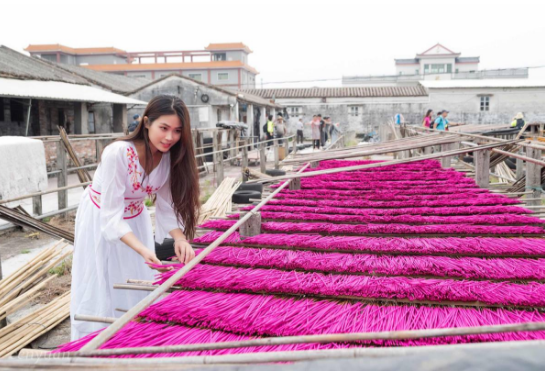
point(428, 113)
point(184, 176)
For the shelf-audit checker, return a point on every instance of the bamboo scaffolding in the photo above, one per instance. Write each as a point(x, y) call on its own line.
point(156, 294)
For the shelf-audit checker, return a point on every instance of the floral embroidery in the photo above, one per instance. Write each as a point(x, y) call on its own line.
point(134, 207)
point(133, 169)
point(149, 190)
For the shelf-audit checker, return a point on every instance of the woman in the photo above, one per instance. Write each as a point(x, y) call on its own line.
point(427, 122)
point(316, 135)
point(113, 236)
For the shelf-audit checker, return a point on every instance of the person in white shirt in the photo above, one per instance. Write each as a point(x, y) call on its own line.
point(299, 127)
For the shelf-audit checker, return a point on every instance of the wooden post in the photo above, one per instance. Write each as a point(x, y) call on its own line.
point(276, 155)
point(37, 205)
point(533, 177)
point(482, 168)
point(428, 150)
point(447, 161)
point(232, 145)
point(252, 226)
point(62, 177)
point(262, 158)
point(244, 159)
point(520, 167)
point(219, 157)
point(295, 184)
point(294, 146)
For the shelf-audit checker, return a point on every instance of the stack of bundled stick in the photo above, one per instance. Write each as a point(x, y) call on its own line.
point(23, 287)
point(219, 204)
point(317, 269)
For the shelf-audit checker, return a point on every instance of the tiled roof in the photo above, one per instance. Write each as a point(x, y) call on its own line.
point(116, 83)
point(343, 92)
point(228, 46)
point(171, 66)
point(15, 65)
point(68, 50)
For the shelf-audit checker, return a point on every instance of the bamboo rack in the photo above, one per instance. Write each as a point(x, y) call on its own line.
point(320, 339)
point(156, 294)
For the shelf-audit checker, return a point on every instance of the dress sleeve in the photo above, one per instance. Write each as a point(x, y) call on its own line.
point(165, 216)
point(112, 199)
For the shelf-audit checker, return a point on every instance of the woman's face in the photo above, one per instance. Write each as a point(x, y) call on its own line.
point(164, 132)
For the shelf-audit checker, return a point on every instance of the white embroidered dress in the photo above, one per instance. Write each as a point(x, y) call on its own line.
point(110, 208)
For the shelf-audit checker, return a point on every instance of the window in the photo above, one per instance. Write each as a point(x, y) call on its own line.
point(400, 73)
point(426, 68)
point(295, 111)
point(17, 111)
point(449, 68)
point(485, 103)
point(223, 76)
point(195, 76)
point(457, 70)
point(353, 110)
point(220, 56)
point(416, 71)
point(1, 109)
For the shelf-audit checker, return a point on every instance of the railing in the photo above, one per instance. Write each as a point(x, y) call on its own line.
point(237, 148)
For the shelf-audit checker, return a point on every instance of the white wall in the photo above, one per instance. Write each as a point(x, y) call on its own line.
point(464, 104)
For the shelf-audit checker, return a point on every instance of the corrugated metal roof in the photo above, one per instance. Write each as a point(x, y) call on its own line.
point(343, 92)
point(54, 90)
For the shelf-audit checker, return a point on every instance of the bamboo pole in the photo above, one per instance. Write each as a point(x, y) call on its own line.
point(84, 317)
point(381, 164)
point(320, 339)
point(147, 301)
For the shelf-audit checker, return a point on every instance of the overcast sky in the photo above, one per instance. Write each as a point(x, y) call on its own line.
point(292, 40)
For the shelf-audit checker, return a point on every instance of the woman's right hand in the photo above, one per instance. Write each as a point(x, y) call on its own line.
point(150, 257)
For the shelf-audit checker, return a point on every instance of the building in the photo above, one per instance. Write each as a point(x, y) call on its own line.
point(357, 109)
point(363, 109)
point(436, 63)
point(209, 104)
point(36, 96)
point(493, 101)
point(223, 64)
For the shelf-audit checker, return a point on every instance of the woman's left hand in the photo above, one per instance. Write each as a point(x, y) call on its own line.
point(183, 251)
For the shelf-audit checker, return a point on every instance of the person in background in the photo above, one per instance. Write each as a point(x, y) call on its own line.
point(270, 130)
point(399, 119)
point(299, 128)
point(334, 131)
point(427, 122)
point(315, 126)
point(134, 123)
point(518, 121)
point(322, 129)
point(280, 128)
point(441, 122)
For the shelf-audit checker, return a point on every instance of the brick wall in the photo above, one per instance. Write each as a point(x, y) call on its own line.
point(85, 150)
